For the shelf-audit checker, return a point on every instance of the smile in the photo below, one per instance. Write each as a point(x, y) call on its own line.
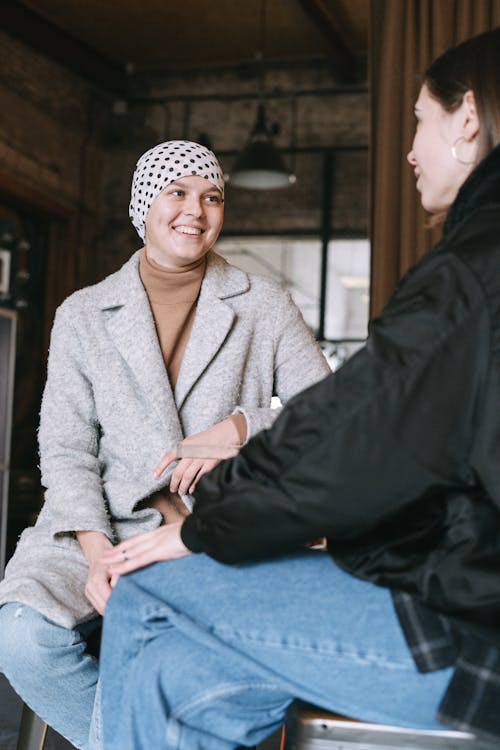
point(182, 229)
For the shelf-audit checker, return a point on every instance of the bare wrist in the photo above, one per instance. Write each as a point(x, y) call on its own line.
point(93, 543)
point(239, 423)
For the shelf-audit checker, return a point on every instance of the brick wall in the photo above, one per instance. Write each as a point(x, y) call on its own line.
point(65, 144)
point(313, 115)
point(51, 152)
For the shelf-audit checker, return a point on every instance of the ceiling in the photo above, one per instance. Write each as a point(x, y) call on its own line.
point(156, 35)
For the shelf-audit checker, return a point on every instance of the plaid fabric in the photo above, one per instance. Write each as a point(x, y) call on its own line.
point(472, 701)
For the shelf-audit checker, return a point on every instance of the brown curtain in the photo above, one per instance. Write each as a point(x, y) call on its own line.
point(406, 35)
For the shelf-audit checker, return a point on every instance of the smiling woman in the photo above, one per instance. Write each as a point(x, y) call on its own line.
point(184, 222)
point(176, 346)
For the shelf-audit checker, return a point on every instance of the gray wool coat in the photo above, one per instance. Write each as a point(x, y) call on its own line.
point(109, 413)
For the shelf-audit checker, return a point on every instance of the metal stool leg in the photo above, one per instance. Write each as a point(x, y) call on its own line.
point(32, 731)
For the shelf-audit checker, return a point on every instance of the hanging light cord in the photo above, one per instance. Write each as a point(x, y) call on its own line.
point(262, 28)
point(259, 55)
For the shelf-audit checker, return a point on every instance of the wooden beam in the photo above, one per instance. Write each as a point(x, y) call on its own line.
point(333, 26)
point(41, 35)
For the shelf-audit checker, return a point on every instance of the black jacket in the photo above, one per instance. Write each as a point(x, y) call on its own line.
point(395, 458)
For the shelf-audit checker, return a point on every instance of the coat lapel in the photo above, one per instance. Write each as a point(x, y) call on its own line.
point(212, 324)
point(130, 324)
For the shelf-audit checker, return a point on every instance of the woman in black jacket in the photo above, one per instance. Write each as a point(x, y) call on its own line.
point(394, 459)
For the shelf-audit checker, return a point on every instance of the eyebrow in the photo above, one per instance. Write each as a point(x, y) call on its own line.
point(211, 189)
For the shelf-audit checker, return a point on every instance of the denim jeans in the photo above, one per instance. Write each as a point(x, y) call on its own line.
point(197, 655)
point(48, 666)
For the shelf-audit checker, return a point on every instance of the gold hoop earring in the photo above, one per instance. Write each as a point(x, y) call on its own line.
point(456, 156)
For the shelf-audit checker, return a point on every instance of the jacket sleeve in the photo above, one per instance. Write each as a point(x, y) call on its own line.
point(298, 362)
point(371, 439)
point(69, 438)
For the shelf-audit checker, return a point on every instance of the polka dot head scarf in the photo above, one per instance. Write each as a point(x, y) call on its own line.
point(164, 164)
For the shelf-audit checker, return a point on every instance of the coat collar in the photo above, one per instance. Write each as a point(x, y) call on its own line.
point(129, 321)
point(212, 323)
point(221, 280)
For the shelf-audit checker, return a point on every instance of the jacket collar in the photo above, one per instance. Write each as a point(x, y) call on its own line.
point(481, 188)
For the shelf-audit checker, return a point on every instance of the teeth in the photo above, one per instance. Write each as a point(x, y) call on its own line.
point(188, 230)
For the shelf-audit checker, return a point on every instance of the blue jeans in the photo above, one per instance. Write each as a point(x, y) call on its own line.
point(202, 656)
point(48, 666)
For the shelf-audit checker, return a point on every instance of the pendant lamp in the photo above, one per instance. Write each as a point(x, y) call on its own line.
point(260, 166)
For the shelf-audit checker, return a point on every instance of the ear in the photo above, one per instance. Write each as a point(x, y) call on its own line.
point(470, 121)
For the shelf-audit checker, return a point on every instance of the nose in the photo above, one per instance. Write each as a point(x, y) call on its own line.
point(411, 158)
point(193, 205)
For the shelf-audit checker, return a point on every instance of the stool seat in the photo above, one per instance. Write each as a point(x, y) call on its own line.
point(314, 729)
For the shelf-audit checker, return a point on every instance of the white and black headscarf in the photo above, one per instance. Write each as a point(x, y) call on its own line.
point(164, 164)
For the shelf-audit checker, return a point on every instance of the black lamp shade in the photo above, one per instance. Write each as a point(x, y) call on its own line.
point(260, 166)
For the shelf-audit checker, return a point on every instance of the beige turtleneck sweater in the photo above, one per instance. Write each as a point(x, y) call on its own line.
point(172, 295)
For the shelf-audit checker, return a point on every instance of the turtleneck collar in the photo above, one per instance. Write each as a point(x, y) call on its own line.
point(171, 285)
point(481, 188)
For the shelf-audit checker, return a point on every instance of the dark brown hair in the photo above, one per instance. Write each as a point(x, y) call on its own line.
point(472, 65)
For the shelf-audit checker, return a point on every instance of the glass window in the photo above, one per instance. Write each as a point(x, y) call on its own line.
point(296, 262)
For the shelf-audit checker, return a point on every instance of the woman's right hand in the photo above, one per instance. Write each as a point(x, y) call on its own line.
point(163, 543)
point(98, 586)
point(99, 579)
point(224, 437)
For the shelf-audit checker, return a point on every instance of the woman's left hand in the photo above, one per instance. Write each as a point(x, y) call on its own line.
point(163, 543)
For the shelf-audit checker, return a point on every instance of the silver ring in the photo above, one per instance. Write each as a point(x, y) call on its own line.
point(125, 556)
